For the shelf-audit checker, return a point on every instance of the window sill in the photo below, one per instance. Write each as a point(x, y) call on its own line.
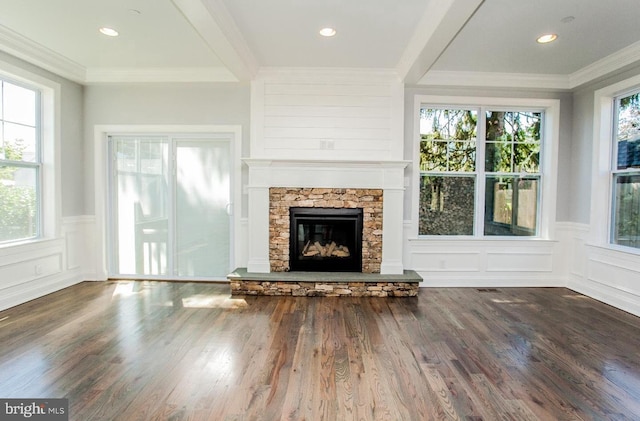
point(26, 245)
point(459, 238)
point(628, 251)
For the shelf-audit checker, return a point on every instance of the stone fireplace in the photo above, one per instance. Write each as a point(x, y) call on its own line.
point(325, 201)
point(276, 185)
point(374, 188)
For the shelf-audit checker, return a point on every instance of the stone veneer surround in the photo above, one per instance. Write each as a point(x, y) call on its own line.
point(282, 198)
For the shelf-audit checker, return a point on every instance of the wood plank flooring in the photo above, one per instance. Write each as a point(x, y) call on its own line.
point(188, 351)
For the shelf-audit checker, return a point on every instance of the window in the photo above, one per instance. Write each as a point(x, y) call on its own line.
point(625, 220)
point(447, 171)
point(20, 162)
point(480, 170)
point(512, 172)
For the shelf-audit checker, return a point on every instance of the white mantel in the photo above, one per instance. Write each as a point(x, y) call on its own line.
point(385, 175)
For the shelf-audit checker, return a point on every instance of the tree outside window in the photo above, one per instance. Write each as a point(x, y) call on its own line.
point(510, 145)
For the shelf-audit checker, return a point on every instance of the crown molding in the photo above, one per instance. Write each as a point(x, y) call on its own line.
point(158, 75)
point(606, 65)
point(491, 79)
point(609, 64)
point(25, 49)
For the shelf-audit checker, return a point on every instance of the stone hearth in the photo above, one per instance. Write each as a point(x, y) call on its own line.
point(375, 186)
point(324, 284)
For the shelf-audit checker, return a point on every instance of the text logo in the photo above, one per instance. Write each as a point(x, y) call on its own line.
point(34, 409)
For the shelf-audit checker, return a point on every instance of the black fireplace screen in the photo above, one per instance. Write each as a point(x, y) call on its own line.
point(325, 240)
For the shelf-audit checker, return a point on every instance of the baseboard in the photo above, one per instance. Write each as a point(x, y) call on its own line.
point(612, 296)
point(448, 280)
point(28, 291)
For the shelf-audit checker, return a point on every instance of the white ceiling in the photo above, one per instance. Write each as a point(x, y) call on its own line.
point(225, 40)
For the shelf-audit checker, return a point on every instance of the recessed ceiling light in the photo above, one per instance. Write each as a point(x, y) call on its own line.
point(110, 32)
point(543, 39)
point(327, 32)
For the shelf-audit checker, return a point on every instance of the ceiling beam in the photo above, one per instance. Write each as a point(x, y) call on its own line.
point(214, 23)
point(441, 22)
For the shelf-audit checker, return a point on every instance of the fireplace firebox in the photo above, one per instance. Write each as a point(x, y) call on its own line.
point(325, 239)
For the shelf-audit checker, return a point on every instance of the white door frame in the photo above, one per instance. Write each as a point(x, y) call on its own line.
point(101, 169)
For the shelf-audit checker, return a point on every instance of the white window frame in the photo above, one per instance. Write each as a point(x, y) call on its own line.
point(603, 163)
point(49, 174)
point(548, 160)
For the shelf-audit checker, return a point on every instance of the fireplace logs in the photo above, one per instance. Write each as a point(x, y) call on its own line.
point(329, 250)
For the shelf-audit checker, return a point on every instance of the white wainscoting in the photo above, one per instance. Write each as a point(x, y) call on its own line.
point(34, 269)
point(601, 272)
point(572, 255)
point(471, 262)
point(326, 114)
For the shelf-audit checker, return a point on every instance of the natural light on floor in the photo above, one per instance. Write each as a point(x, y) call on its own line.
point(213, 301)
point(497, 301)
point(126, 289)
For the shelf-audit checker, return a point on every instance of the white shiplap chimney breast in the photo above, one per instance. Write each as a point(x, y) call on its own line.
point(327, 114)
point(326, 128)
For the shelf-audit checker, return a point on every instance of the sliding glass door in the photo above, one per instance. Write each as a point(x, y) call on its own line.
point(202, 246)
point(170, 207)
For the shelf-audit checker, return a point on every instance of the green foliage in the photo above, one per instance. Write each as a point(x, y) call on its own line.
point(17, 212)
point(449, 143)
point(631, 101)
point(513, 142)
point(10, 152)
point(17, 203)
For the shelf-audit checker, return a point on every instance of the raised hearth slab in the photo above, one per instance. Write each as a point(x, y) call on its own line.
point(324, 284)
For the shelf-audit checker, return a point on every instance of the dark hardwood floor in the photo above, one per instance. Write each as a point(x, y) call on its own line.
point(188, 351)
